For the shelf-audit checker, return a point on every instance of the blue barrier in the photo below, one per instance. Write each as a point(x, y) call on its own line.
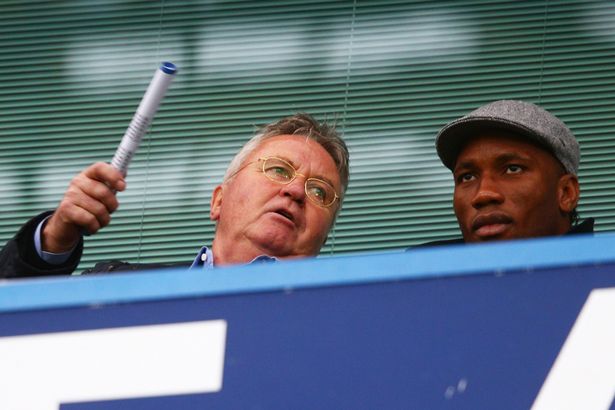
point(464, 327)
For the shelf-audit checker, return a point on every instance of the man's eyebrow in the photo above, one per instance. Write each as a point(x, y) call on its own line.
point(502, 158)
point(463, 165)
point(509, 156)
point(327, 180)
point(290, 161)
point(322, 177)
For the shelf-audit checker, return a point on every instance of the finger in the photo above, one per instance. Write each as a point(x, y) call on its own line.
point(66, 225)
point(107, 174)
point(72, 219)
point(94, 206)
point(82, 185)
point(83, 218)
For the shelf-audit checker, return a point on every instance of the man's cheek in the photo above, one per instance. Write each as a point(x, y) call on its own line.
point(323, 232)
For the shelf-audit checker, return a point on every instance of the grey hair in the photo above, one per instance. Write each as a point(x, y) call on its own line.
point(304, 125)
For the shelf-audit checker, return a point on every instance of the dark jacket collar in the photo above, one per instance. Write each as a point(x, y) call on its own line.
point(585, 226)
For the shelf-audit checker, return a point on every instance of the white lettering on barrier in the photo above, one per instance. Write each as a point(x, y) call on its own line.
point(43, 371)
point(583, 375)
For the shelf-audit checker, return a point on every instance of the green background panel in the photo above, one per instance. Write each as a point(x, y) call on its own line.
point(390, 73)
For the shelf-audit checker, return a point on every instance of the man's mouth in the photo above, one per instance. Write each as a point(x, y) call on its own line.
point(492, 224)
point(286, 214)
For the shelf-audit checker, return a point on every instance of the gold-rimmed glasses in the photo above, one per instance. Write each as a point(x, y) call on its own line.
point(280, 171)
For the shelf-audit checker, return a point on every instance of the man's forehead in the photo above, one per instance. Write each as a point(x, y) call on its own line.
point(298, 148)
point(506, 146)
point(497, 139)
point(280, 141)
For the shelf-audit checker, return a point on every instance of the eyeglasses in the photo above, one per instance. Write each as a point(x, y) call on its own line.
point(318, 191)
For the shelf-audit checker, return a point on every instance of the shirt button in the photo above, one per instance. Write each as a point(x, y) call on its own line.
point(204, 257)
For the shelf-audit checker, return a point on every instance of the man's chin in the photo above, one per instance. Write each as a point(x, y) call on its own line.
point(279, 246)
point(275, 238)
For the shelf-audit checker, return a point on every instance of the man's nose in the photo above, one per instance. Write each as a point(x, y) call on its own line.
point(295, 189)
point(488, 193)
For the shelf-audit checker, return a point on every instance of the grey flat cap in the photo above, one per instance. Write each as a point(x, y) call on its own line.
point(518, 117)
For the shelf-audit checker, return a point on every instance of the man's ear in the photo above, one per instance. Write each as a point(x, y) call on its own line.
point(568, 193)
point(216, 203)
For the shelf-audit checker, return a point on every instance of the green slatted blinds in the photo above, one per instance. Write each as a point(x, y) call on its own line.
point(391, 73)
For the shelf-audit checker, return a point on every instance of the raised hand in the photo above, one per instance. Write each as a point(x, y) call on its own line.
point(87, 206)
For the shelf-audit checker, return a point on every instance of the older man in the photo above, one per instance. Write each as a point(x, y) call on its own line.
point(515, 172)
point(279, 199)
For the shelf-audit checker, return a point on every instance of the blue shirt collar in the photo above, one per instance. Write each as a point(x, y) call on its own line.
point(205, 259)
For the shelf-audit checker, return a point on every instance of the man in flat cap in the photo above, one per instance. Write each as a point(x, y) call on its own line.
point(515, 170)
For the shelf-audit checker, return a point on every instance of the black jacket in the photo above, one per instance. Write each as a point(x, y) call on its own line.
point(19, 259)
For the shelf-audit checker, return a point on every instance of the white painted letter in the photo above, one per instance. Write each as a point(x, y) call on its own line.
point(43, 371)
point(583, 376)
